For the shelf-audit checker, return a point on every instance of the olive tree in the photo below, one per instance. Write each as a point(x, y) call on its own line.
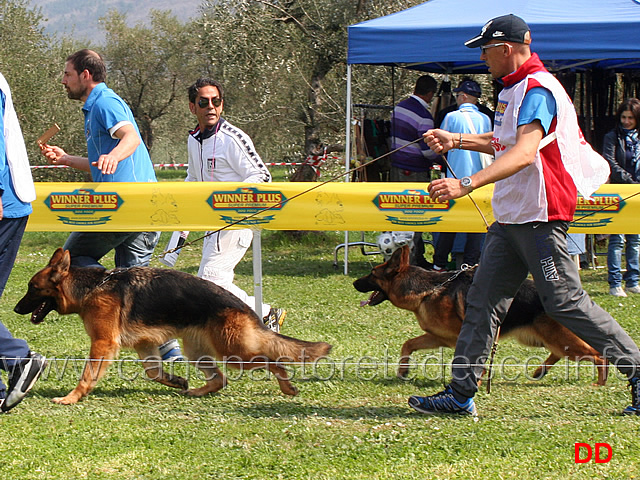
point(32, 62)
point(283, 64)
point(150, 66)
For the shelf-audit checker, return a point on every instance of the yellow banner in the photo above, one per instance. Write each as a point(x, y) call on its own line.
point(200, 206)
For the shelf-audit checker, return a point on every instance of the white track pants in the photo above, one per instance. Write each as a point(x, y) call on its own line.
point(221, 252)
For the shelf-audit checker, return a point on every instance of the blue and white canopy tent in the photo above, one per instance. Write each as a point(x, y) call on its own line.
point(568, 35)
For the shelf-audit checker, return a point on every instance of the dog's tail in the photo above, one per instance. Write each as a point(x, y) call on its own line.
point(280, 347)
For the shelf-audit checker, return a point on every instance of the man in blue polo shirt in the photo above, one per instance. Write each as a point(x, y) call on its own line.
point(116, 153)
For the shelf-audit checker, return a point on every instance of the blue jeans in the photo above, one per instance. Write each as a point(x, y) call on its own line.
point(444, 246)
point(11, 349)
point(132, 249)
point(614, 259)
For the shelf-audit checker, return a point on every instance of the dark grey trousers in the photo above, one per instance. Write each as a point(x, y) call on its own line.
point(510, 252)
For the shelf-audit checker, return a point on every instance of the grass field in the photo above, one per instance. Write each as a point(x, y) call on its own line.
point(351, 419)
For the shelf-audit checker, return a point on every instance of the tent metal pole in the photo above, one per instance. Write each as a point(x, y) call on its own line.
point(257, 272)
point(347, 160)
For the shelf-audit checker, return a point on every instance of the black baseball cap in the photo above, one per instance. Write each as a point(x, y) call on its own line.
point(469, 87)
point(508, 28)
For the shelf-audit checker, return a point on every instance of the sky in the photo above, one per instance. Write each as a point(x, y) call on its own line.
point(80, 19)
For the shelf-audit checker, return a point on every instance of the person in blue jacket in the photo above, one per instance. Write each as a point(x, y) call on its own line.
point(16, 194)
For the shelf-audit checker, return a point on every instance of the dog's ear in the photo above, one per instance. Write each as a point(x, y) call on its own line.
point(405, 252)
point(394, 260)
point(399, 259)
point(57, 256)
point(59, 263)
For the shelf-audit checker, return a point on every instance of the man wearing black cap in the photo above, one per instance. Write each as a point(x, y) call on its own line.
point(462, 163)
point(542, 162)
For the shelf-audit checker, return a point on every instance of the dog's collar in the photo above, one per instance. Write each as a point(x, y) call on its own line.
point(111, 273)
point(463, 268)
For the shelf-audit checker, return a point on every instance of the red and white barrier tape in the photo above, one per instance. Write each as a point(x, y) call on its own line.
point(48, 166)
point(313, 160)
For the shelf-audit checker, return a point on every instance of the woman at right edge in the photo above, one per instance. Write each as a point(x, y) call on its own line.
point(622, 150)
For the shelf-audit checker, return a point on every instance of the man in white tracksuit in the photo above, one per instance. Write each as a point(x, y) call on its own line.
point(220, 152)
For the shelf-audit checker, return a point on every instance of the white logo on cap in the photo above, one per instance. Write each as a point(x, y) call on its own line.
point(498, 33)
point(487, 25)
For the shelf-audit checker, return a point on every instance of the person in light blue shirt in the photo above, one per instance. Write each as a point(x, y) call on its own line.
point(116, 153)
point(466, 119)
point(105, 113)
point(464, 163)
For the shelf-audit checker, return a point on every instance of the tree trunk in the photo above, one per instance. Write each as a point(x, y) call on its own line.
point(146, 130)
point(312, 142)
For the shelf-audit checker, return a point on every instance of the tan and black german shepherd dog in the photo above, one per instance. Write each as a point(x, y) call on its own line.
point(438, 301)
point(142, 307)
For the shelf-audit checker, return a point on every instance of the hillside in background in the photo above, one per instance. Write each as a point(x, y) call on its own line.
point(82, 19)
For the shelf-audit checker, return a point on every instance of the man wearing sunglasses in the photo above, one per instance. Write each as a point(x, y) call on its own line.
point(221, 152)
point(116, 153)
point(542, 163)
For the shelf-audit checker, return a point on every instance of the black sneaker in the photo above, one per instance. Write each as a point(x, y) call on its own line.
point(274, 319)
point(634, 408)
point(22, 378)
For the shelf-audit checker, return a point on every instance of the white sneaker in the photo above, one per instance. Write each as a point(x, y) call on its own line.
point(617, 292)
point(635, 289)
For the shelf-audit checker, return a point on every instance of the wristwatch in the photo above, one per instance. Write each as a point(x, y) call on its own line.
point(466, 182)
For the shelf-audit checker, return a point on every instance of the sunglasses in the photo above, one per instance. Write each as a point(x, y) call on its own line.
point(484, 48)
point(204, 102)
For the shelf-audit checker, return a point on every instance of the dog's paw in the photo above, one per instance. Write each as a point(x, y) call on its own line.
point(68, 400)
point(197, 392)
point(178, 382)
point(290, 390)
point(402, 373)
point(539, 373)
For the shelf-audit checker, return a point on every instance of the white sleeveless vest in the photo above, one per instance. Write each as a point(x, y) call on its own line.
point(16, 151)
point(522, 197)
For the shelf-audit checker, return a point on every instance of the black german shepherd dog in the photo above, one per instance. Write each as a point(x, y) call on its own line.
point(142, 307)
point(438, 301)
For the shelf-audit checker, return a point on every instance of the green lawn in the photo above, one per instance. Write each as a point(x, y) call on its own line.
point(350, 420)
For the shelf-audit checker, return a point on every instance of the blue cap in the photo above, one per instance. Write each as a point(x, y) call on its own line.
point(469, 87)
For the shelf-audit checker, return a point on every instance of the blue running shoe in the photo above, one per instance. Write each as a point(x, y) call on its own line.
point(170, 351)
point(443, 402)
point(634, 408)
